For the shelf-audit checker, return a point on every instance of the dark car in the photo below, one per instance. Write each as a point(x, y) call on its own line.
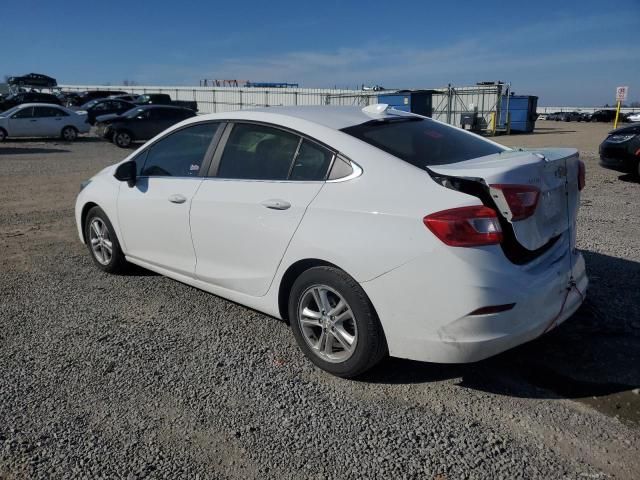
point(129, 97)
point(88, 95)
point(569, 117)
point(585, 116)
point(27, 97)
point(553, 116)
point(140, 123)
point(605, 116)
point(620, 151)
point(165, 99)
point(96, 108)
point(33, 80)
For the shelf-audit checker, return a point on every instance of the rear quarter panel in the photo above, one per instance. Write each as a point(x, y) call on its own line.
point(372, 224)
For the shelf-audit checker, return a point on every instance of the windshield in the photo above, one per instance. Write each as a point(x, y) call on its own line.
point(422, 142)
point(89, 104)
point(9, 112)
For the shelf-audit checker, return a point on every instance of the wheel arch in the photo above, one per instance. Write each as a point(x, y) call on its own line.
point(83, 217)
point(289, 277)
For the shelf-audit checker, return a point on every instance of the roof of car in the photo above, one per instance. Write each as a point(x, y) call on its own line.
point(149, 107)
point(336, 117)
point(41, 104)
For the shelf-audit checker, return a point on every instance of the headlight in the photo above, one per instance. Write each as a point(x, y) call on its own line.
point(620, 138)
point(84, 184)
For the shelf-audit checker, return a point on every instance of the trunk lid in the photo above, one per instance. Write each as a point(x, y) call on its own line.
point(553, 171)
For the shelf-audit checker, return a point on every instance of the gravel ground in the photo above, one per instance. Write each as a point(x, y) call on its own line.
point(139, 376)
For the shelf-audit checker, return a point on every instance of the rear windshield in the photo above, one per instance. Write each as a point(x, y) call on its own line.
point(422, 142)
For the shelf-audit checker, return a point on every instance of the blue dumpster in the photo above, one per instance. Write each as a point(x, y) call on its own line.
point(522, 109)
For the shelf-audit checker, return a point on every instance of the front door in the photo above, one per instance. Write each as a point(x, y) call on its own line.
point(243, 219)
point(23, 124)
point(154, 214)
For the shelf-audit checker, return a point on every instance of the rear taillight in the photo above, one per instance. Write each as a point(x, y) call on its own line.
point(466, 226)
point(522, 199)
point(582, 175)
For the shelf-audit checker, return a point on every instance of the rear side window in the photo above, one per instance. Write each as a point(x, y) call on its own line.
point(311, 163)
point(422, 142)
point(42, 112)
point(256, 152)
point(181, 153)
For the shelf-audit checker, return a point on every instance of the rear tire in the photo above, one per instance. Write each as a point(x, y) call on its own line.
point(3, 134)
point(334, 322)
point(122, 138)
point(69, 134)
point(102, 242)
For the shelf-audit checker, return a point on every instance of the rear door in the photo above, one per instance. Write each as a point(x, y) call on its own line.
point(243, 217)
point(50, 121)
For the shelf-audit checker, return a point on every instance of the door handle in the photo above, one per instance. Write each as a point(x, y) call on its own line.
point(33, 120)
point(276, 204)
point(177, 198)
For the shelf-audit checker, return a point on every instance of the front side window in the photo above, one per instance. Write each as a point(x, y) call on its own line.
point(24, 113)
point(422, 142)
point(257, 152)
point(181, 153)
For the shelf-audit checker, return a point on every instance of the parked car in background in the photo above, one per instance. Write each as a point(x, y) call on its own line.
point(165, 99)
point(553, 116)
point(372, 231)
point(585, 116)
point(140, 123)
point(88, 95)
point(105, 106)
point(620, 151)
point(633, 117)
point(569, 116)
point(127, 98)
point(67, 98)
point(42, 120)
point(604, 116)
point(542, 116)
point(27, 97)
point(33, 80)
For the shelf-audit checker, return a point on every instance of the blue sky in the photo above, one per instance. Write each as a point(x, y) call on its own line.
point(566, 52)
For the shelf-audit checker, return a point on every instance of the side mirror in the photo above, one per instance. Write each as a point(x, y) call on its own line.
point(127, 172)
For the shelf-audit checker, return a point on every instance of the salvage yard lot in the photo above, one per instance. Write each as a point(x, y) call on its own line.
point(140, 376)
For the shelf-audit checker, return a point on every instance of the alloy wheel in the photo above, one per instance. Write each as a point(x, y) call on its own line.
point(123, 139)
point(327, 324)
point(101, 245)
point(69, 134)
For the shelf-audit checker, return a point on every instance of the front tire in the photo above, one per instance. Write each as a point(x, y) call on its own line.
point(102, 242)
point(334, 322)
point(69, 134)
point(122, 138)
point(3, 134)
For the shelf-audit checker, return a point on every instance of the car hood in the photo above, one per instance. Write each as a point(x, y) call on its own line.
point(626, 130)
point(110, 117)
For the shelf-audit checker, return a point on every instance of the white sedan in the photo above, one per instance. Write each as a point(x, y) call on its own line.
point(372, 231)
point(42, 120)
